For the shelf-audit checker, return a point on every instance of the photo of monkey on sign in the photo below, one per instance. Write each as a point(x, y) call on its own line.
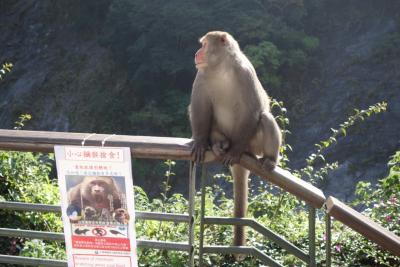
point(230, 114)
point(98, 198)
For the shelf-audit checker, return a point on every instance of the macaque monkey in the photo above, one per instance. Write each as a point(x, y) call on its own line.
point(122, 216)
point(230, 113)
point(95, 191)
point(90, 213)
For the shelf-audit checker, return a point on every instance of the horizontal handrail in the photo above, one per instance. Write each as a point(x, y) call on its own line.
point(154, 147)
point(158, 216)
point(23, 206)
point(141, 215)
point(363, 225)
point(141, 146)
point(9, 259)
point(31, 234)
point(11, 232)
point(154, 244)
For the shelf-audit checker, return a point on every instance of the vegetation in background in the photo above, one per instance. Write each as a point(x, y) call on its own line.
point(317, 168)
point(156, 42)
point(26, 177)
point(5, 68)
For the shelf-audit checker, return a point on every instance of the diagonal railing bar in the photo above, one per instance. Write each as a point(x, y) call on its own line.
point(243, 250)
point(281, 241)
point(363, 225)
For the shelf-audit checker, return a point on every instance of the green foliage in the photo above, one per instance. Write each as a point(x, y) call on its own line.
point(25, 177)
point(22, 119)
point(279, 211)
point(39, 249)
point(314, 174)
point(278, 108)
point(381, 203)
point(310, 43)
point(387, 210)
point(6, 68)
point(267, 59)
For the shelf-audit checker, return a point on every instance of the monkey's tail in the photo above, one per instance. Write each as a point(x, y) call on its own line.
point(240, 194)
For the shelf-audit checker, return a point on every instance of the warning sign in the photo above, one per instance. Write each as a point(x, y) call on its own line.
point(97, 205)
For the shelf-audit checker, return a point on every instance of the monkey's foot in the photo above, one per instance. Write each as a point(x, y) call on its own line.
point(232, 156)
point(229, 160)
point(268, 163)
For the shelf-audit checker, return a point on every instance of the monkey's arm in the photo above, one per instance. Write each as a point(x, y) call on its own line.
point(200, 112)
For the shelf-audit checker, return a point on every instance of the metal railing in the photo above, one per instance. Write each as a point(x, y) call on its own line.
point(309, 258)
point(139, 215)
point(179, 149)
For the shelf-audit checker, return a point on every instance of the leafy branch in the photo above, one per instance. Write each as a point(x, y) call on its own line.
point(283, 122)
point(360, 115)
point(166, 187)
point(22, 119)
point(6, 68)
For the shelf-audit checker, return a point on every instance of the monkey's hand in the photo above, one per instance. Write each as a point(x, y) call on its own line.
point(198, 151)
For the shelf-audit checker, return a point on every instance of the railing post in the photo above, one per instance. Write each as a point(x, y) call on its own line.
point(192, 193)
point(328, 241)
point(202, 212)
point(311, 236)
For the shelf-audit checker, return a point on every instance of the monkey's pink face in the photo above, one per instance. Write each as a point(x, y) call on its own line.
point(199, 58)
point(212, 51)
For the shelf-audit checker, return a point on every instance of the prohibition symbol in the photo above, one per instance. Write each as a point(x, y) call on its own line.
point(99, 231)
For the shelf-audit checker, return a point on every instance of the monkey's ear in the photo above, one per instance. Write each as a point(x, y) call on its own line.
point(224, 39)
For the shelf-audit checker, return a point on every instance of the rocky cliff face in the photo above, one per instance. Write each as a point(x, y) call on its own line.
point(61, 69)
point(358, 67)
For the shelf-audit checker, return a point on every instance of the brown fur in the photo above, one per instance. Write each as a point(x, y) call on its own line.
point(230, 112)
point(121, 216)
point(93, 191)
